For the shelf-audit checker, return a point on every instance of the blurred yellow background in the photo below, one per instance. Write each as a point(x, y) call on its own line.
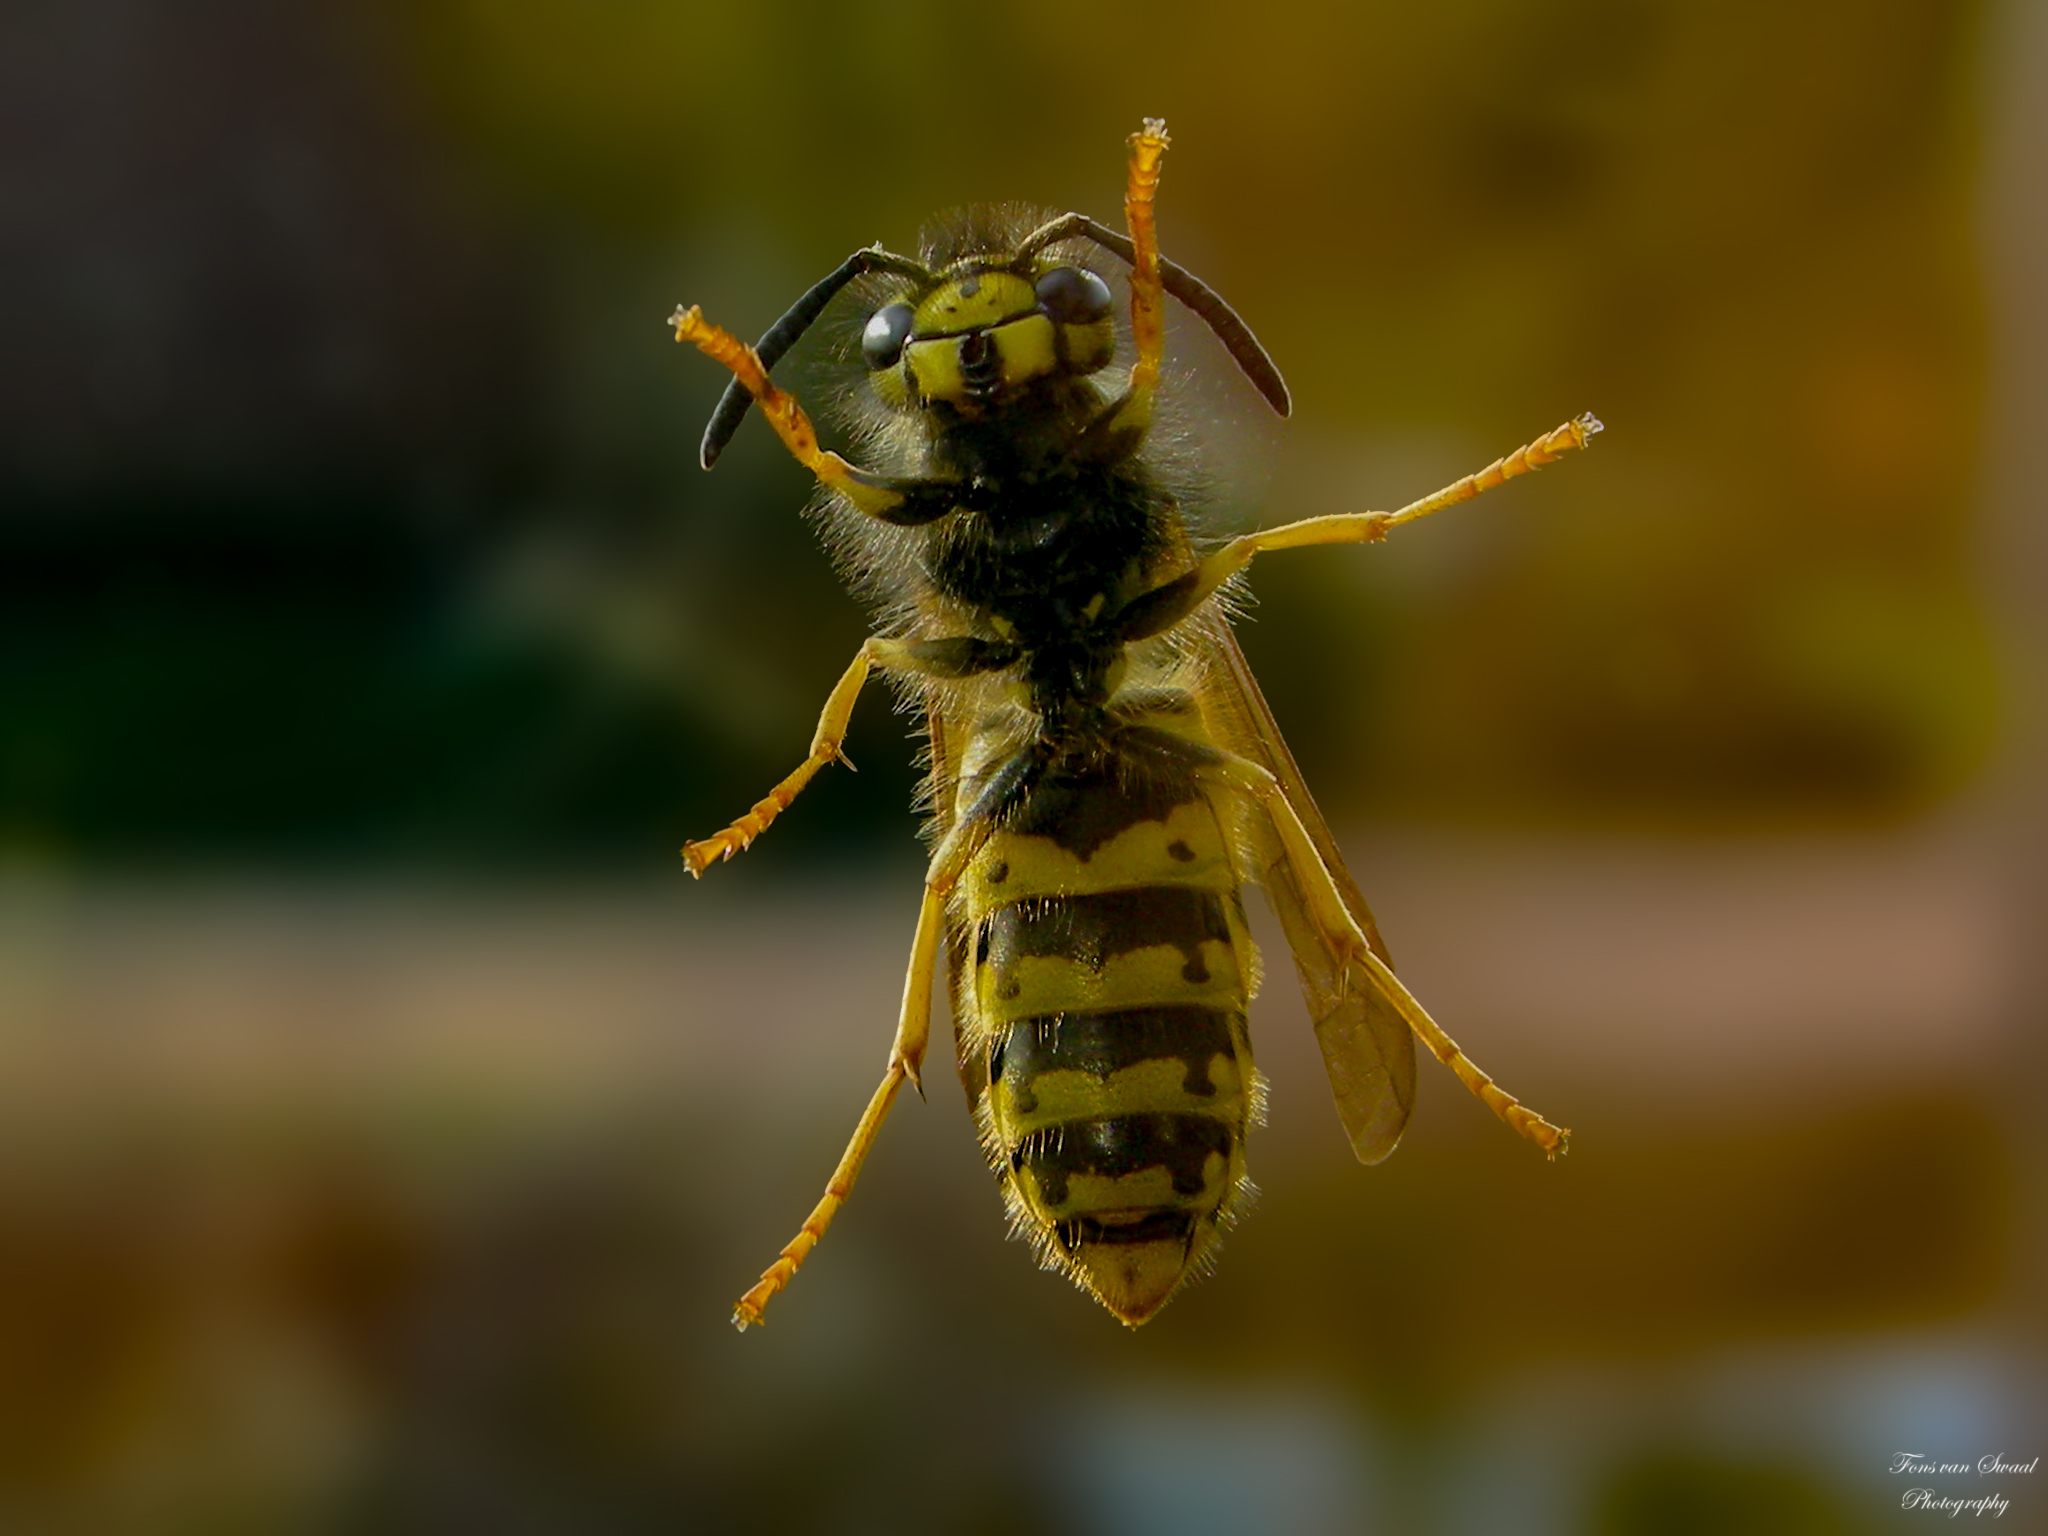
point(386, 1122)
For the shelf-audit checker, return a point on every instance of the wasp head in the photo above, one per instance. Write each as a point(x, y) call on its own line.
point(982, 337)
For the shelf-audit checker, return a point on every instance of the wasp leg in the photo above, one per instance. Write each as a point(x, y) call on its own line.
point(949, 657)
point(1148, 294)
point(1154, 612)
point(1131, 413)
point(826, 745)
point(1340, 931)
point(865, 491)
point(906, 1062)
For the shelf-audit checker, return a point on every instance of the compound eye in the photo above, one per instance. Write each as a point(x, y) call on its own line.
point(888, 328)
point(1073, 296)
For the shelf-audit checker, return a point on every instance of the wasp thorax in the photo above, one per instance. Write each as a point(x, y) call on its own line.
point(980, 338)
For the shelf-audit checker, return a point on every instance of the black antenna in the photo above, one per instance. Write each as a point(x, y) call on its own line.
point(786, 332)
point(1205, 301)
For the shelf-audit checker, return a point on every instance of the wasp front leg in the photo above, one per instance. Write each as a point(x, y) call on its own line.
point(906, 502)
point(1148, 294)
point(870, 493)
point(906, 1063)
point(1131, 412)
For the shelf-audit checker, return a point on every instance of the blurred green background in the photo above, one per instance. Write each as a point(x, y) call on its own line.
point(387, 1123)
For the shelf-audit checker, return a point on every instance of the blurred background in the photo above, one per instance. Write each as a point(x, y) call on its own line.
point(387, 1123)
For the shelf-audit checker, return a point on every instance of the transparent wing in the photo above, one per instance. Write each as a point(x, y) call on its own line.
point(948, 737)
point(1368, 1047)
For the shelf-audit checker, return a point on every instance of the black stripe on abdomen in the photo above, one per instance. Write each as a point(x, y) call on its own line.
point(1081, 808)
point(1172, 1225)
point(1119, 1145)
point(1091, 928)
point(1106, 1041)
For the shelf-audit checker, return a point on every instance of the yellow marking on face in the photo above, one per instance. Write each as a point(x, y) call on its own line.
point(1024, 346)
point(1028, 350)
point(973, 303)
point(1090, 346)
point(936, 366)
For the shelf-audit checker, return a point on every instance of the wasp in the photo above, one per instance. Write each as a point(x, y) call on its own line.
point(1105, 776)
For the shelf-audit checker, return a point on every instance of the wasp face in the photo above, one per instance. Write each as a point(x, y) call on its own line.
point(981, 338)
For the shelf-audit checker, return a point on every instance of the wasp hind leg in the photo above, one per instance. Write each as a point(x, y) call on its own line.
point(906, 1064)
point(1330, 915)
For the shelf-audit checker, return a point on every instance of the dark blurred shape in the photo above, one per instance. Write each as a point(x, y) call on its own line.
point(271, 430)
point(240, 258)
point(528, 1334)
point(308, 683)
point(431, 1212)
point(334, 338)
point(1676, 1494)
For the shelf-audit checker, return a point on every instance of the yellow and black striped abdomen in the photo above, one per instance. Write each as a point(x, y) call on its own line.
point(1105, 977)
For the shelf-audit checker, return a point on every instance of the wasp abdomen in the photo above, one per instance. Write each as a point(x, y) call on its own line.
point(1105, 997)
